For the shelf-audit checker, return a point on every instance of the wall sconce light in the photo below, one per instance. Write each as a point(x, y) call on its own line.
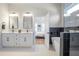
point(28, 14)
point(77, 15)
point(13, 14)
point(66, 15)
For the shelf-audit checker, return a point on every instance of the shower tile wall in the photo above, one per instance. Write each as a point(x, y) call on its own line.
point(55, 32)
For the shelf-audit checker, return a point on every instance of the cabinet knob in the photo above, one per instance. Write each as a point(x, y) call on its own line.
point(24, 39)
point(16, 43)
point(7, 38)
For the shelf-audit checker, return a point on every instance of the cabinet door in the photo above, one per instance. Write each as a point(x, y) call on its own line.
point(5, 40)
point(24, 40)
point(21, 40)
point(30, 39)
point(18, 38)
point(8, 40)
point(12, 38)
point(0, 41)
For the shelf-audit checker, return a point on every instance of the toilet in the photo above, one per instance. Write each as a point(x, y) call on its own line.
point(56, 44)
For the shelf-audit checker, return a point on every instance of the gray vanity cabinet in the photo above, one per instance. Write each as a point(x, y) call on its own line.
point(21, 40)
point(30, 39)
point(8, 40)
point(0, 41)
point(17, 39)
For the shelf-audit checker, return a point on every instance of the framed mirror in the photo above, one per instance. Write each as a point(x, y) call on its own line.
point(27, 22)
point(13, 21)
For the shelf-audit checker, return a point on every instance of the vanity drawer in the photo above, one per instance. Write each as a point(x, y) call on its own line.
point(17, 40)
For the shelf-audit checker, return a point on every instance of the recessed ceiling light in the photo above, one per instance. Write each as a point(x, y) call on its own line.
point(74, 8)
point(66, 15)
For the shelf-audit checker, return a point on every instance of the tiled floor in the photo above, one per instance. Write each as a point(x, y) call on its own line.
point(40, 41)
point(38, 50)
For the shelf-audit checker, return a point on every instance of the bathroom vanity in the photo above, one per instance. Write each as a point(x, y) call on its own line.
point(17, 36)
point(17, 39)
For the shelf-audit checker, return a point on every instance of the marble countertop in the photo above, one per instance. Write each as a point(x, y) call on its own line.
point(16, 32)
point(9, 31)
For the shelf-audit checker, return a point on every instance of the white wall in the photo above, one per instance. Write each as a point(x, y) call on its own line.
point(4, 15)
point(40, 10)
point(22, 8)
point(56, 16)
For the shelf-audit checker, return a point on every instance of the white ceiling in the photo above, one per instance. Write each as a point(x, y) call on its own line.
point(40, 9)
point(68, 6)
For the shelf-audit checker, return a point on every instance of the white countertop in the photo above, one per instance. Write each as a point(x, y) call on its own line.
point(15, 31)
point(56, 44)
point(56, 39)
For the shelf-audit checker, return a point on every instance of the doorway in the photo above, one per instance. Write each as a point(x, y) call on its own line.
point(40, 33)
